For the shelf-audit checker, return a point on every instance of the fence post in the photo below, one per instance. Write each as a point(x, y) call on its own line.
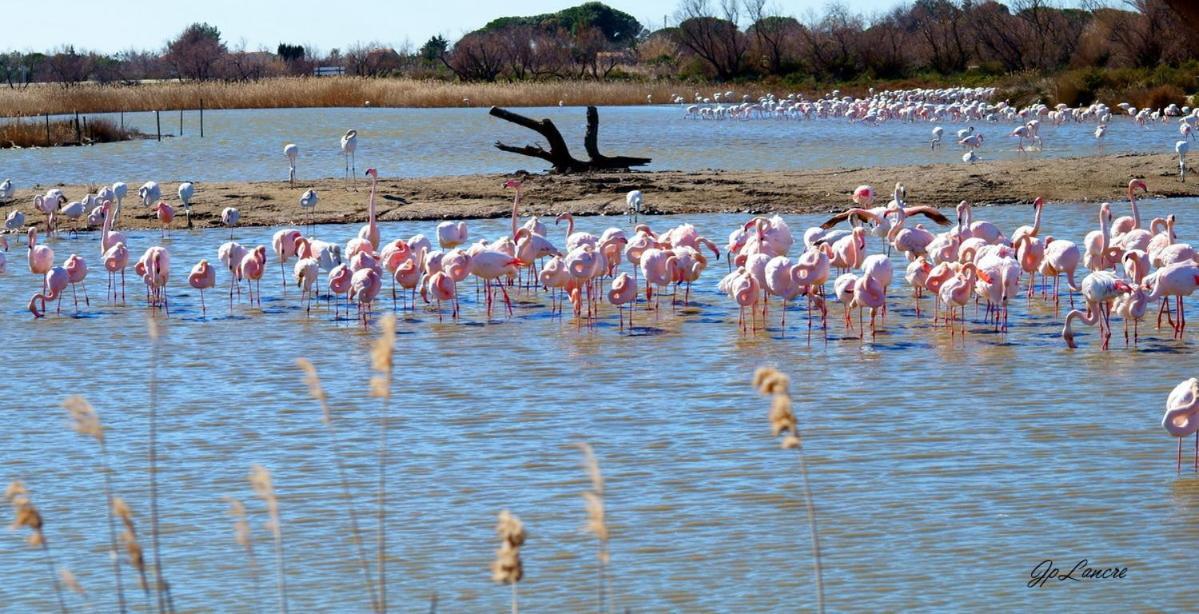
point(48, 130)
point(84, 129)
point(122, 121)
point(180, 121)
point(78, 134)
point(158, 125)
point(201, 118)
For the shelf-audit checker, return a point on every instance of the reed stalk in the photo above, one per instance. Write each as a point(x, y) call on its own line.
point(380, 386)
point(86, 421)
point(597, 523)
point(507, 567)
point(244, 538)
point(161, 589)
point(260, 481)
point(133, 549)
point(770, 381)
point(25, 515)
point(313, 381)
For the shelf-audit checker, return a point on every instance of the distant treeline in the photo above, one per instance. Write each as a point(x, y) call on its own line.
point(705, 40)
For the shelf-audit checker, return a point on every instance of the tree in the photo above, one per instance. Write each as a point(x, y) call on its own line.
point(478, 56)
point(196, 52)
point(290, 53)
point(69, 68)
point(772, 33)
point(434, 48)
point(715, 40)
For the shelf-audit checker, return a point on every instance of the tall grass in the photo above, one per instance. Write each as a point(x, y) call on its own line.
point(25, 133)
point(507, 567)
point(289, 92)
point(380, 386)
point(260, 481)
point(25, 515)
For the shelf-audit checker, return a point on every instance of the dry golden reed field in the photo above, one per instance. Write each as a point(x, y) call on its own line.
point(291, 92)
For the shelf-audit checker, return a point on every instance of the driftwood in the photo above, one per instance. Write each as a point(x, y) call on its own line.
point(559, 154)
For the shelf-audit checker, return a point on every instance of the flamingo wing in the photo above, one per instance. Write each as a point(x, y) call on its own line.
point(931, 213)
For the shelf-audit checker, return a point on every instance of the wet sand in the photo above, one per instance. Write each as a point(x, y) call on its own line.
point(476, 196)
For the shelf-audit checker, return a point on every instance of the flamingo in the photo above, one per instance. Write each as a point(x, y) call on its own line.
point(231, 254)
point(7, 190)
point(451, 234)
point(868, 292)
point(202, 277)
point(955, 292)
point(938, 133)
point(230, 217)
point(291, 150)
point(76, 269)
point(305, 273)
point(155, 268)
point(53, 284)
point(41, 257)
point(48, 204)
point(283, 243)
point(165, 214)
point(1061, 257)
point(116, 258)
point(149, 193)
point(349, 145)
point(633, 203)
point(15, 220)
point(1038, 205)
point(73, 211)
point(1099, 289)
point(370, 231)
point(339, 284)
point(442, 287)
point(1182, 409)
point(364, 287)
point(1179, 281)
point(1181, 148)
point(745, 290)
point(308, 202)
point(1098, 256)
point(623, 292)
point(251, 269)
point(575, 239)
point(119, 191)
point(187, 189)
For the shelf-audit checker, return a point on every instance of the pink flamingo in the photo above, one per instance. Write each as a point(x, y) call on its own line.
point(489, 266)
point(364, 287)
point(55, 283)
point(916, 275)
point(76, 274)
point(554, 276)
point(41, 257)
point(451, 234)
point(1126, 223)
point(1061, 257)
point(231, 254)
point(165, 214)
point(251, 269)
point(1179, 280)
point(623, 292)
point(850, 250)
point(202, 277)
point(283, 243)
point(1182, 416)
point(868, 291)
point(116, 258)
point(955, 293)
point(1030, 253)
point(408, 275)
point(306, 272)
point(339, 285)
point(1099, 290)
point(442, 287)
point(575, 239)
point(108, 238)
point(370, 231)
point(745, 291)
point(392, 256)
point(1098, 256)
point(154, 267)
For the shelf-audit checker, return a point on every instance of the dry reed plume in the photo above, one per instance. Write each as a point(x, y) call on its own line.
point(597, 523)
point(133, 549)
point(296, 92)
point(507, 567)
point(260, 481)
point(313, 381)
point(86, 421)
point(380, 386)
point(25, 515)
point(245, 539)
point(21, 133)
point(771, 382)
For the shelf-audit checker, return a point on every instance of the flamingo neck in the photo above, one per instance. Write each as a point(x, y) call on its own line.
point(1136, 214)
point(1036, 221)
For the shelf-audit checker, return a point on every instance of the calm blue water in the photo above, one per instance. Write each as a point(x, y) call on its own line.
point(943, 470)
point(248, 144)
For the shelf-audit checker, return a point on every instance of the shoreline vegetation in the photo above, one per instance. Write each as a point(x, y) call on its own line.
point(20, 134)
point(272, 203)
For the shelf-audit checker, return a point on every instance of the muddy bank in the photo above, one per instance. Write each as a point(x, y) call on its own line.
point(944, 185)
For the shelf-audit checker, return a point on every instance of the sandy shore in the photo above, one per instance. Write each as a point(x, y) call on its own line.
point(944, 185)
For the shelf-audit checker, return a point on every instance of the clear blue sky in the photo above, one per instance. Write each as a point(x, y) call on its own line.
point(115, 25)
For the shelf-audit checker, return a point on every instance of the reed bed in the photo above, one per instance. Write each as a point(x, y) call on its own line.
point(302, 92)
point(23, 133)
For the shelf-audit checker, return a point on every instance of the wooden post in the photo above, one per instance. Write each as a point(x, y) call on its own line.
point(122, 120)
point(158, 124)
point(201, 118)
point(48, 143)
point(78, 133)
point(181, 121)
point(84, 126)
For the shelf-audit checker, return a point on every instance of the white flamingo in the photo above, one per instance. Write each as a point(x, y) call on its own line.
point(349, 145)
point(291, 150)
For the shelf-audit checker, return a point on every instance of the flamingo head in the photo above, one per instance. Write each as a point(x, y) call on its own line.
point(863, 195)
point(1137, 184)
point(1122, 286)
point(372, 173)
point(1038, 202)
point(512, 183)
point(563, 216)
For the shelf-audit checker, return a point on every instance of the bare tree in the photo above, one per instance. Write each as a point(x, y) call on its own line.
point(196, 52)
point(773, 33)
point(715, 40)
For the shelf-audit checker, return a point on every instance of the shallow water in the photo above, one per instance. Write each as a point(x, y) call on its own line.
point(943, 470)
point(245, 145)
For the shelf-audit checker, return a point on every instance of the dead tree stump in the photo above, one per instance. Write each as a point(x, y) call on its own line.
point(559, 154)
